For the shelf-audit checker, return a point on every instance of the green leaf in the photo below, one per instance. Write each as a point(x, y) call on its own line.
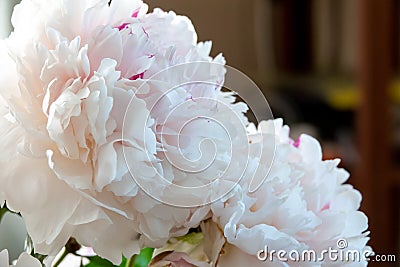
point(97, 261)
point(141, 260)
point(144, 258)
point(123, 263)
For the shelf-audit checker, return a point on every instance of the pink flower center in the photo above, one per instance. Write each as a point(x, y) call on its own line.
point(122, 26)
point(296, 143)
point(137, 76)
point(326, 207)
point(145, 32)
point(135, 13)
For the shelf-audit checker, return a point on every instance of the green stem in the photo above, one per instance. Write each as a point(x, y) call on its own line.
point(131, 262)
point(65, 253)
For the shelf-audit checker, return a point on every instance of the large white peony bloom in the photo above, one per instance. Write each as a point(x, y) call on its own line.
point(24, 260)
point(88, 109)
point(114, 130)
point(300, 208)
point(301, 205)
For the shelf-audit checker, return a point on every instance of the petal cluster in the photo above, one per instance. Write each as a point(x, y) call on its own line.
point(115, 130)
point(86, 92)
point(301, 205)
point(24, 260)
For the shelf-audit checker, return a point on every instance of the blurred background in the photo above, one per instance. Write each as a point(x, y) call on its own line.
point(330, 68)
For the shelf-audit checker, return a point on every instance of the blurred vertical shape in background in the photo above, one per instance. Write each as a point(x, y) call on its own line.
point(378, 175)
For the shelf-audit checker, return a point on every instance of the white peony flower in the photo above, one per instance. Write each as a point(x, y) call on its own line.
point(88, 111)
point(24, 260)
point(302, 205)
point(114, 131)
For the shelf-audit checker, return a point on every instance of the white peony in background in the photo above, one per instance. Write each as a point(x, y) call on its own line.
point(24, 260)
point(115, 131)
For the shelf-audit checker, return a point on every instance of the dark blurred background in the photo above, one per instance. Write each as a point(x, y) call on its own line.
point(330, 68)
